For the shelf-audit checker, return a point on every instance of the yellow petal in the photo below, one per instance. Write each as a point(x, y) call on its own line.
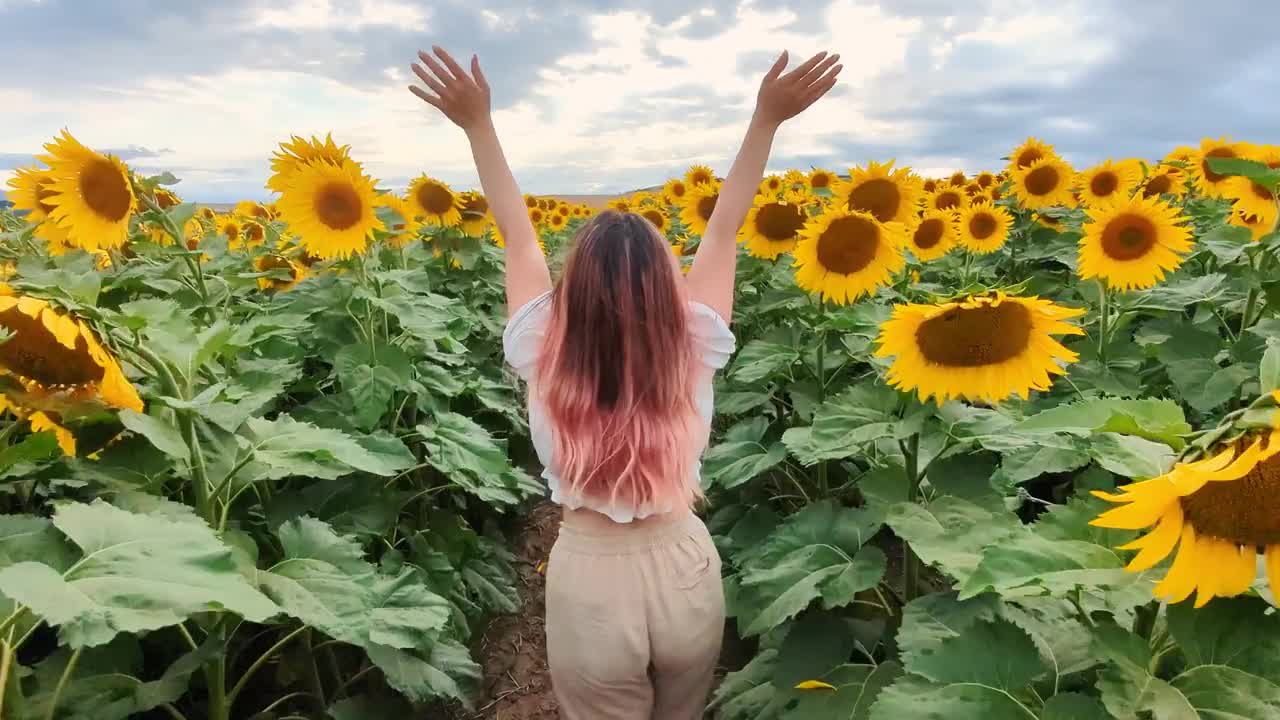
point(1134, 516)
point(62, 328)
point(30, 306)
point(1238, 571)
point(41, 422)
point(814, 685)
point(1273, 570)
point(1157, 544)
point(1183, 574)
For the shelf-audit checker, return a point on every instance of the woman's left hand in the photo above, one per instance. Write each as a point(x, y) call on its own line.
point(463, 98)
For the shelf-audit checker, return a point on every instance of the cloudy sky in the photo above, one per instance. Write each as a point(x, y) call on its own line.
point(610, 95)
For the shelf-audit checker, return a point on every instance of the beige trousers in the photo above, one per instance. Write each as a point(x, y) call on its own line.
point(635, 617)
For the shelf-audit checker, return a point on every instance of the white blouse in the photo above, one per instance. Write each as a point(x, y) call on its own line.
point(522, 342)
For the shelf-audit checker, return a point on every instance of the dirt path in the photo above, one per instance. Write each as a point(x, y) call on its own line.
point(513, 649)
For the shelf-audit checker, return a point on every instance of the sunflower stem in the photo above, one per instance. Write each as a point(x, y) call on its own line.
point(1249, 304)
point(62, 684)
point(910, 564)
point(1104, 321)
point(823, 487)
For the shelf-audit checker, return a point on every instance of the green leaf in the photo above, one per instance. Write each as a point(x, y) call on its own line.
point(742, 455)
point(750, 694)
point(1127, 685)
point(1178, 294)
point(1052, 454)
point(762, 358)
point(138, 573)
point(364, 707)
point(1204, 385)
point(464, 451)
point(857, 688)
point(814, 646)
point(966, 476)
point(446, 671)
point(1258, 172)
point(847, 422)
point(27, 538)
point(806, 574)
point(915, 697)
point(1131, 457)
point(951, 533)
point(371, 389)
point(31, 449)
point(1074, 706)
point(162, 433)
point(1239, 632)
point(405, 614)
point(1216, 691)
point(1269, 370)
point(1154, 419)
point(288, 447)
point(1030, 564)
point(1227, 242)
point(993, 653)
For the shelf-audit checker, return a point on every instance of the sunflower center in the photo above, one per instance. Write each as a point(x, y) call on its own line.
point(985, 179)
point(982, 226)
point(1043, 180)
point(105, 190)
point(929, 233)
point(1221, 152)
point(707, 205)
point(275, 262)
point(779, 222)
point(1158, 185)
point(930, 185)
point(338, 205)
point(700, 177)
point(658, 219)
point(1103, 184)
point(879, 196)
point(677, 190)
point(848, 245)
point(820, 180)
point(1128, 237)
point(1028, 157)
point(254, 233)
point(436, 199)
point(974, 337)
point(1262, 192)
point(947, 200)
point(957, 179)
point(1242, 511)
point(35, 354)
point(232, 232)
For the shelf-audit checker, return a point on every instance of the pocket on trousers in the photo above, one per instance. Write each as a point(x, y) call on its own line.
point(696, 564)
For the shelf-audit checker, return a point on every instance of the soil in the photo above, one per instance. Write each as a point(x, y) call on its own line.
point(513, 649)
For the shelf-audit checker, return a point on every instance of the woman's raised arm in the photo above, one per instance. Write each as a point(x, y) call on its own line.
point(781, 98)
point(464, 99)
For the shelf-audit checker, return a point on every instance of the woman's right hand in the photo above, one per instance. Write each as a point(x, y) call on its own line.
point(782, 97)
point(464, 99)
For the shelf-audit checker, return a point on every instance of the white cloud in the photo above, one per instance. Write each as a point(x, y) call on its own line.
point(303, 15)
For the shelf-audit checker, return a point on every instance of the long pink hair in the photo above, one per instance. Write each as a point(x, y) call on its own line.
point(616, 373)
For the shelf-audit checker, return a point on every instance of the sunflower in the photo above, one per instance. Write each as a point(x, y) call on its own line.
point(620, 204)
point(31, 189)
point(330, 207)
point(984, 228)
point(1249, 198)
point(279, 264)
point(434, 201)
point(1133, 243)
point(1044, 183)
point(985, 179)
point(642, 199)
point(929, 185)
point(1184, 154)
point(579, 211)
point(773, 226)
point(888, 195)
point(91, 197)
point(399, 222)
point(476, 216)
point(1218, 511)
point(974, 190)
point(1164, 180)
point(1108, 181)
point(1260, 227)
point(958, 179)
point(1031, 151)
point(674, 191)
point(946, 198)
point(207, 213)
point(845, 254)
point(1207, 181)
point(699, 175)
point(166, 198)
point(57, 360)
point(530, 201)
point(820, 179)
point(771, 184)
point(556, 221)
point(562, 209)
point(229, 228)
point(251, 209)
point(537, 216)
point(698, 206)
point(253, 234)
point(984, 348)
point(299, 152)
point(657, 217)
point(931, 235)
point(1049, 221)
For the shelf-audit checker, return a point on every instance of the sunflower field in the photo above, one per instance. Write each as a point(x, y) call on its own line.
point(993, 446)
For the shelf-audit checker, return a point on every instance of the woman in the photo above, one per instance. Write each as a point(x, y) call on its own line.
point(619, 357)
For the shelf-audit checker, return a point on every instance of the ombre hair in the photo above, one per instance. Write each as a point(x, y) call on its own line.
point(616, 373)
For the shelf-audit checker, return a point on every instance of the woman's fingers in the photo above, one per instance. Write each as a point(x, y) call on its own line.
point(822, 87)
point(804, 68)
point(425, 96)
point(449, 62)
point(778, 66)
point(438, 70)
point(817, 71)
point(428, 78)
point(478, 74)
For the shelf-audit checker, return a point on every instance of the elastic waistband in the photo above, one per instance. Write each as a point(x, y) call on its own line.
point(591, 533)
